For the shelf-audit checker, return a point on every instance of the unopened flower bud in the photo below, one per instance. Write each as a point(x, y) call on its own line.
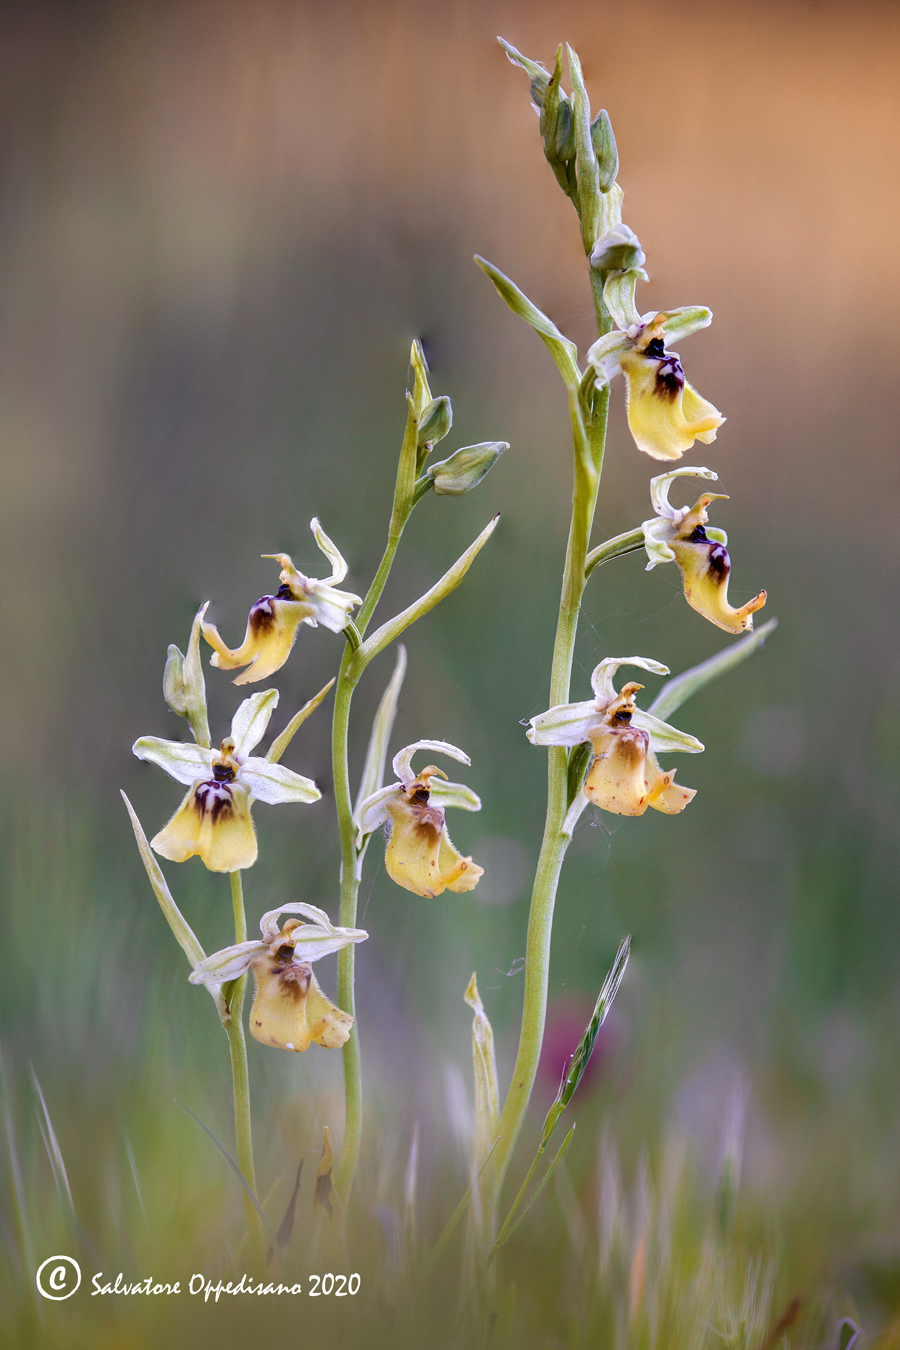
point(173, 682)
point(435, 421)
point(604, 143)
point(465, 469)
point(618, 251)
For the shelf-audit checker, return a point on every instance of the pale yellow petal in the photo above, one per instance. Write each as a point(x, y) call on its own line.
point(665, 794)
point(665, 414)
point(279, 1013)
point(271, 633)
point(328, 1025)
point(213, 822)
point(617, 778)
point(420, 855)
point(706, 567)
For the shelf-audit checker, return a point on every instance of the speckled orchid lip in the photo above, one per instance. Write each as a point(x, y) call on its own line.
point(213, 821)
point(420, 855)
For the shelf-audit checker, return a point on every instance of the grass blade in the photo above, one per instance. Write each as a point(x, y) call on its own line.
point(237, 1172)
point(682, 687)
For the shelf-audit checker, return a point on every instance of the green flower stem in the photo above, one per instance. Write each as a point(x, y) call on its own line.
point(353, 1109)
point(234, 1029)
point(555, 841)
point(351, 864)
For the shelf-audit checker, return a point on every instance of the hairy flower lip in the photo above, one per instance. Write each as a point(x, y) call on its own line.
point(274, 620)
point(665, 413)
point(683, 535)
point(213, 820)
point(624, 776)
point(419, 855)
point(289, 1009)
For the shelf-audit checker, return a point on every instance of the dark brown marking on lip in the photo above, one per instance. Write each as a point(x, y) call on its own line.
point(719, 562)
point(632, 744)
point(262, 616)
point(214, 799)
point(669, 378)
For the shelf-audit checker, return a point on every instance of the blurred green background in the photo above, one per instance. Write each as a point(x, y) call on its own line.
point(221, 225)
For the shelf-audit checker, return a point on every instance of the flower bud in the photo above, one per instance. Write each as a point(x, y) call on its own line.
point(435, 421)
point(173, 682)
point(619, 250)
point(465, 469)
point(604, 143)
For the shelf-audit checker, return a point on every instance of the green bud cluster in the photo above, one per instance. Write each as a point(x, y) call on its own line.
point(582, 153)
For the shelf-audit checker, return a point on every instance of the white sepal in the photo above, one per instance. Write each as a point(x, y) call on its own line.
point(657, 533)
point(270, 927)
point(332, 607)
point(605, 355)
point(445, 794)
point(602, 677)
point(371, 813)
point(660, 485)
point(332, 553)
point(566, 724)
point(273, 783)
point(181, 761)
point(402, 761)
point(618, 295)
point(679, 323)
point(664, 739)
point(228, 964)
point(248, 726)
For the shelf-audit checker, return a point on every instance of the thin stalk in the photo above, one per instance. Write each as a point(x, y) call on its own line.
point(353, 1109)
point(234, 1029)
point(351, 865)
point(555, 841)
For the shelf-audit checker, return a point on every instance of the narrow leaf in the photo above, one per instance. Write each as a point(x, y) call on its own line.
point(563, 351)
point(382, 726)
point(682, 687)
point(386, 634)
point(507, 1231)
point(184, 934)
point(487, 1093)
point(325, 1195)
point(281, 743)
point(237, 1172)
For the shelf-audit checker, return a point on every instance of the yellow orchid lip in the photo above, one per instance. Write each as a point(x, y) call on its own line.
point(289, 1009)
point(274, 620)
point(420, 855)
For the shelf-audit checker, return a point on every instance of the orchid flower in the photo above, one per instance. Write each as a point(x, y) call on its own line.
point(624, 776)
point(665, 413)
point(683, 536)
point(420, 856)
point(289, 1010)
point(275, 619)
point(214, 818)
